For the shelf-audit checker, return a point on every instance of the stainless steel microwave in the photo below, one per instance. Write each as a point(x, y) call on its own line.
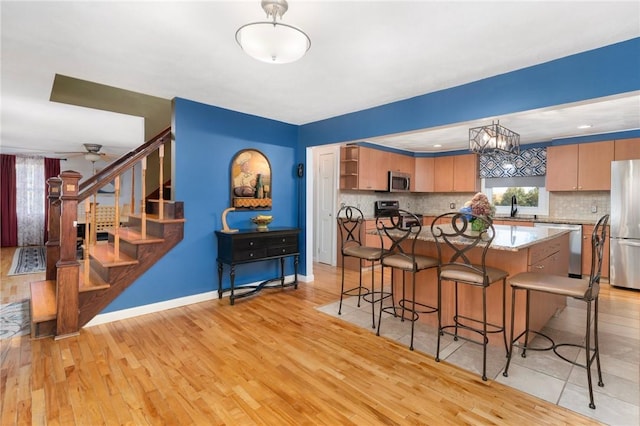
point(399, 182)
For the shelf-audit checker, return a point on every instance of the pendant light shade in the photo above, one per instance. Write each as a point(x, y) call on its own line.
point(273, 42)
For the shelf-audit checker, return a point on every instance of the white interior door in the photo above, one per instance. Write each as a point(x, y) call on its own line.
point(325, 226)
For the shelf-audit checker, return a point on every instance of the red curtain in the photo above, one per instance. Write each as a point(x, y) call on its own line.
point(51, 169)
point(8, 215)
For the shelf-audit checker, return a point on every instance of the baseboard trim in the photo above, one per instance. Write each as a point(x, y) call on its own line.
point(167, 304)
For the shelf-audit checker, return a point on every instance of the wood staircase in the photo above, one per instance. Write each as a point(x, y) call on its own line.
point(75, 291)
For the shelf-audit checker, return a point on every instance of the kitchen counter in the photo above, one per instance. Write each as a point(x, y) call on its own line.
point(515, 249)
point(511, 238)
point(530, 219)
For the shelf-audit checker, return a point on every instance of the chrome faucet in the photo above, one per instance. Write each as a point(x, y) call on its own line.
point(514, 206)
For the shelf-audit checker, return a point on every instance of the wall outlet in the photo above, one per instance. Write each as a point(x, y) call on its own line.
point(452, 206)
point(594, 209)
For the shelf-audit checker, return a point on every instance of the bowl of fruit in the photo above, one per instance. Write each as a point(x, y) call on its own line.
point(262, 221)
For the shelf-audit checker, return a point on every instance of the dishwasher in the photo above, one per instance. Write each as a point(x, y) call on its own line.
point(575, 245)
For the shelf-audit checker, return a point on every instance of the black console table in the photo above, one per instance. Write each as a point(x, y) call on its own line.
point(250, 245)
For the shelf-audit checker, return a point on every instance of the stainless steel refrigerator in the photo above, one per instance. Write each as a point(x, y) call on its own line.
point(625, 224)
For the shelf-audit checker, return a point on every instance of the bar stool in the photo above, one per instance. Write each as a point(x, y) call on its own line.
point(403, 228)
point(455, 239)
point(350, 223)
point(586, 290)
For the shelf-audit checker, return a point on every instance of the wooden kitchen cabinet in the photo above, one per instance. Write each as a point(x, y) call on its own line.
point(349, 167)
point(373, 240)
point(373, 170)
point(424, 174)
point(626, 149)
point(465, 173)
point(457, 173)
point(362, 168)
point(512, 222)
point(550, 257)
point(587, 230)
point(581, 167)
point(443, 174)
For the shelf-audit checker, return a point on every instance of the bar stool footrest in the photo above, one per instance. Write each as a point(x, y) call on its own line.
point(491, 329)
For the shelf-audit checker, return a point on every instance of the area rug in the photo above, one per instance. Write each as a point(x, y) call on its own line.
point(28, 260)
point(14, 319)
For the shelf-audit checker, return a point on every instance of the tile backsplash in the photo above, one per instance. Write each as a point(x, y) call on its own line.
point(562, 205)
point(578, 205)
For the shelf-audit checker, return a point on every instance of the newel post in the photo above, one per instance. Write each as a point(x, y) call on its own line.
point(53, 227)
point(68, 277)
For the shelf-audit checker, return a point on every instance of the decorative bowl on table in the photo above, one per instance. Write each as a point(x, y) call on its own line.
point(262, 221)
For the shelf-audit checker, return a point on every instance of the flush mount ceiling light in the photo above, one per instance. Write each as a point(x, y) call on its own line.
point(493, 139)
point(273, 42)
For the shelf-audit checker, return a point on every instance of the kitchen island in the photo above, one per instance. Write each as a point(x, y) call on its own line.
point(514, 249)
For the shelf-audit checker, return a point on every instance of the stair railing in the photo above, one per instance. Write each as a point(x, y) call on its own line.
point(64, 196)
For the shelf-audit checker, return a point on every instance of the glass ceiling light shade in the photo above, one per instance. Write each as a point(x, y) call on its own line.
point(493, 139)
point(92, 156)
point(273, 42)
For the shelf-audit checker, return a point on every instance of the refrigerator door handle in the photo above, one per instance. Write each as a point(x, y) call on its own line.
point(629, 243)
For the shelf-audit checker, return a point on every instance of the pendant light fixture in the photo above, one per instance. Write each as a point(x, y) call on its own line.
point(493, 139)
point(273, 42)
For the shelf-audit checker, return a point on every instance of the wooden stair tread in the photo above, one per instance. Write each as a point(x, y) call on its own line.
point(95, 282)
point(134, 236)
point(154, 218)
point(43, 300)
point(104, 254)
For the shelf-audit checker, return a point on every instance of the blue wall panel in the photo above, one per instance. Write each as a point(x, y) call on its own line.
point(206, 140)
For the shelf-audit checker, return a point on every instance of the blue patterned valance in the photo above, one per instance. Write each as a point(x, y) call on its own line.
point(530, 162)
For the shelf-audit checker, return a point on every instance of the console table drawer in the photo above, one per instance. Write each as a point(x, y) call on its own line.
point(282, 250)
point(283, 240)
point(258, 253)
point(249, 243)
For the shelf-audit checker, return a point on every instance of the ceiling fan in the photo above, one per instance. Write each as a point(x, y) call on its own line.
point(92, 153)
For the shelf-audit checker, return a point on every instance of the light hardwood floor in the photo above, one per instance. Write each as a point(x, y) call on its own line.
point(271, 359)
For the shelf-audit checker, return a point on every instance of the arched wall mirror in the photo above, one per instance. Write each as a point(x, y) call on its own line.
point(251, 181)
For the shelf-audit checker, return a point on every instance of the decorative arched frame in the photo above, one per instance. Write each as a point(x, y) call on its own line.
point(251, 181)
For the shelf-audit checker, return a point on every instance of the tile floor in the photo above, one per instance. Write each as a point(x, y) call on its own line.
point(543, 374)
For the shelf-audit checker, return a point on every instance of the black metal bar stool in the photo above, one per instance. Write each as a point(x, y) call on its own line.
point(453, 232)
point(403, 228)
point(350, 223)
point(586, 290)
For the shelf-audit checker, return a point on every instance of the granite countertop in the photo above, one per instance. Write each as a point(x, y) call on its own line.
point(508, 237)
point(539, 219)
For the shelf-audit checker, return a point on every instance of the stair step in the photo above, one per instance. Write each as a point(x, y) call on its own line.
point(174, 209)
point(155, 218)
point(105, 255)
point(43, 301)
point(134, 236)
point(95, 282)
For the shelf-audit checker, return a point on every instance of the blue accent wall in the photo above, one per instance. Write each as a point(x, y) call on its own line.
point(207, 138)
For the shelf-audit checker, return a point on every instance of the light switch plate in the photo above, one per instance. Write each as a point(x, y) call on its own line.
point(594, 209)
point(452, 206)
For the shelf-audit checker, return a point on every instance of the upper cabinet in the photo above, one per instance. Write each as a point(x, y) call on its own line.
point(457, 173)
point(424, 175)
point(627, 149)
point(365, 168)
point(373, 170)
point(349, 166)
point(583, 167)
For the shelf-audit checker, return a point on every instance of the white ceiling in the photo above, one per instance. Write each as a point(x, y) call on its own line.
point(363, 54)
